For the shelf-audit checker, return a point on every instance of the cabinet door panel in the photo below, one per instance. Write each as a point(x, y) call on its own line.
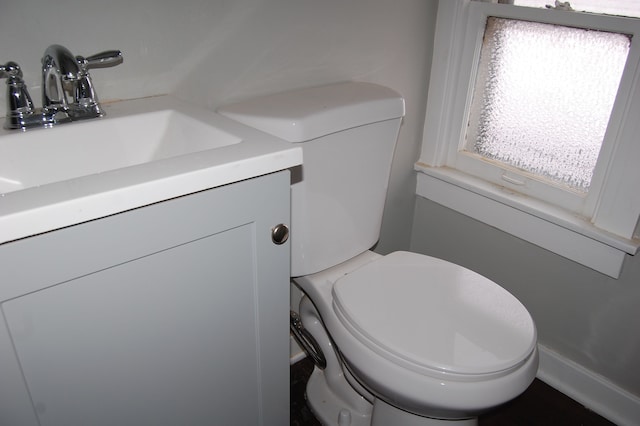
point(105, 348)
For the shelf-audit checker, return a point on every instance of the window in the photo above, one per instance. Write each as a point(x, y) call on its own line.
point(543, 97)
point(532, 126)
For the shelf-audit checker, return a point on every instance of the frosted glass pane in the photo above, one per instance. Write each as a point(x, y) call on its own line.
point(543, 97)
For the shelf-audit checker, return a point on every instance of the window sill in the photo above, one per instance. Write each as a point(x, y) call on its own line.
point(549, 227)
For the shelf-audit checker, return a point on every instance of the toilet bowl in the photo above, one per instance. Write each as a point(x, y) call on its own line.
point(422, 336)
point(408, 339)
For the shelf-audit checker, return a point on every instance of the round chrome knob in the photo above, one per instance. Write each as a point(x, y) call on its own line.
point(280, 234)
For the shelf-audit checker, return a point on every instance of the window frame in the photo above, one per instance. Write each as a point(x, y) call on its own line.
point(598, 229)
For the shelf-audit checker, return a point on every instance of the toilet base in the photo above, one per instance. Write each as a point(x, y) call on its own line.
point(385, 414)
point(330, 409)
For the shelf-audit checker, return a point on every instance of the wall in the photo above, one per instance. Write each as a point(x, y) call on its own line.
point(214, 52)
point(585, 317)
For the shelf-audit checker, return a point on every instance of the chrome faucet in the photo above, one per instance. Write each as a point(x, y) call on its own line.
point(67, 90)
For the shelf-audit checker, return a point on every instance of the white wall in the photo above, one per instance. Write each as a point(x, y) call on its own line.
point(216, 51)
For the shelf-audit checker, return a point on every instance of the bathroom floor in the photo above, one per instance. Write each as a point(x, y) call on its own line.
point(538, 405)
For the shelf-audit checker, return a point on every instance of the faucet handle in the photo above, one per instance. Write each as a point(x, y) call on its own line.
point(10, 69)
point(110, 58)
point(86, 103)
point(20, 111)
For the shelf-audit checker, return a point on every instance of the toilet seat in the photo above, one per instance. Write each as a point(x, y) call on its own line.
point(469, 328)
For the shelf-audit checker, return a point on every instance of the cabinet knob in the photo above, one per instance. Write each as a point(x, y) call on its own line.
point(280, 234)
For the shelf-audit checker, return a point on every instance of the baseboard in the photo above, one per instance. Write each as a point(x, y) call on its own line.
point(591, 390)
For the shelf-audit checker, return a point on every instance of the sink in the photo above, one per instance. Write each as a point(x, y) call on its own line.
point(68, 151)
point(144, 151)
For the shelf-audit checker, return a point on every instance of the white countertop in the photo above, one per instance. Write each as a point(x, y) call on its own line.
point(39, 209)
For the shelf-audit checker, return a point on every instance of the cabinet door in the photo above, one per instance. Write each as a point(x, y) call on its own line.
point(190, 328)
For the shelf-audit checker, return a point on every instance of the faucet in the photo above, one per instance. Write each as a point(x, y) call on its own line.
point(67, 85)
point(67, 90)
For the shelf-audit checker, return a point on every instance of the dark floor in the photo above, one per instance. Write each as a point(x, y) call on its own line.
point(538, 405)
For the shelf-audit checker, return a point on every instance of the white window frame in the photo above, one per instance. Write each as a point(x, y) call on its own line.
point(598, 231)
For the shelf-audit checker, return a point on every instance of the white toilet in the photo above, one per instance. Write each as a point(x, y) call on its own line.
point(407, 339)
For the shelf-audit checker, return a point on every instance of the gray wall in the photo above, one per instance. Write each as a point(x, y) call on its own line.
point(585, 316)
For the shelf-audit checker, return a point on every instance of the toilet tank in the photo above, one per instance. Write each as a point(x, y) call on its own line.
point(348, 133)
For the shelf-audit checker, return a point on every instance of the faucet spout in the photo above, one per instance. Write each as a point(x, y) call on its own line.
point(60, 73)
point(60, 58)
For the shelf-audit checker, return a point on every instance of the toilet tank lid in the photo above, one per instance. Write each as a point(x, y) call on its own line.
point(305, 114)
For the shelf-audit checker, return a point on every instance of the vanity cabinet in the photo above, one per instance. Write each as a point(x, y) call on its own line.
point(174, 313)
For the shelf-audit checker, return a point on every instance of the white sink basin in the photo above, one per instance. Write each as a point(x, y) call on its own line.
point(143, 152)
point(68, 151)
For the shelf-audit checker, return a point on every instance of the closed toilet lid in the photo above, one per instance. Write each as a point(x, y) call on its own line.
point(429, 314)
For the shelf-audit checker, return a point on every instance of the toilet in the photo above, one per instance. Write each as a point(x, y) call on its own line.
point(403, 339)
